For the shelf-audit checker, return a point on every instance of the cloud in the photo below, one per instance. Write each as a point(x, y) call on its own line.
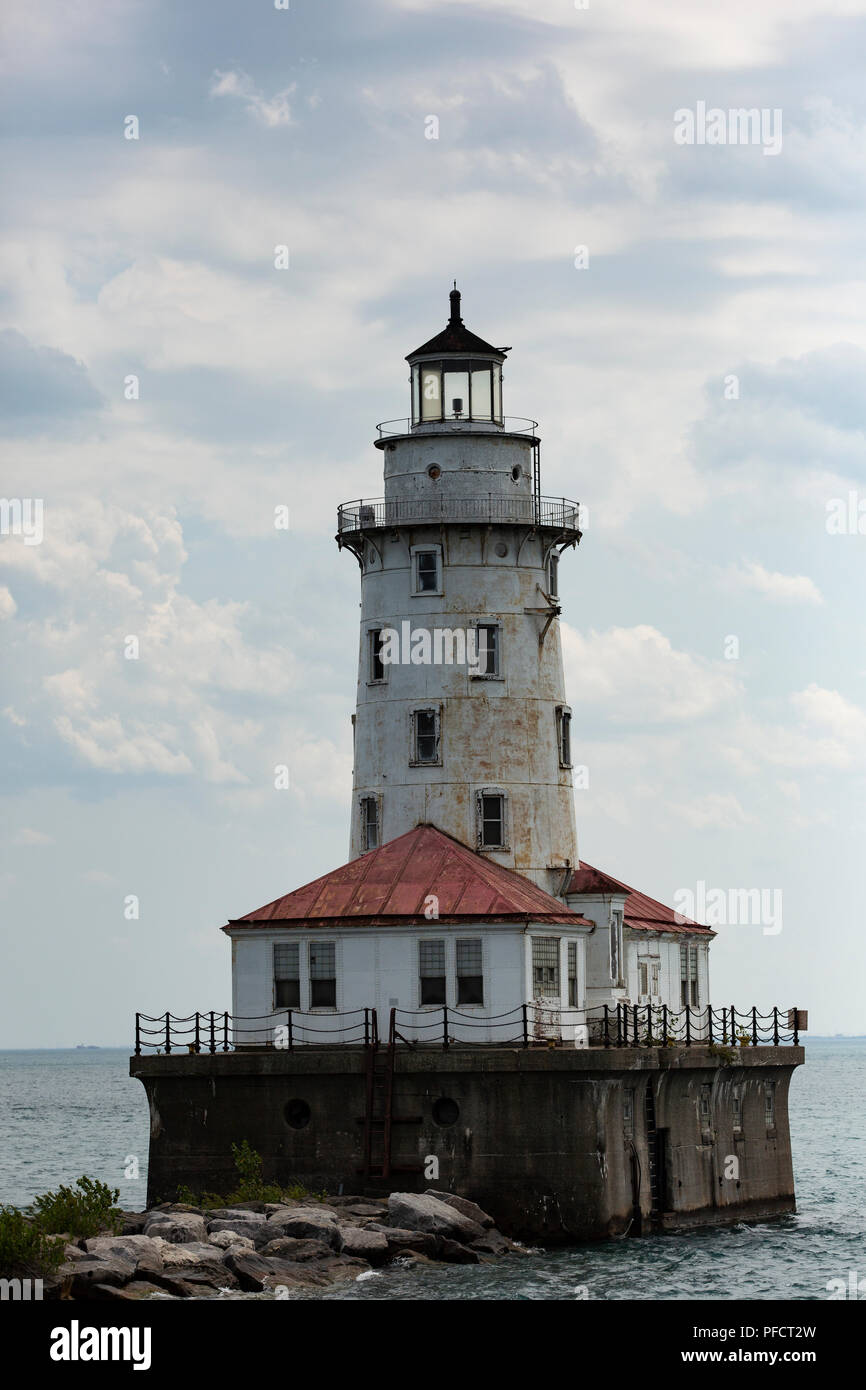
point(636, 675)
point(8, 606)
point(780, 588)
point(28, 837)
point(40, 384)
point(270, 111)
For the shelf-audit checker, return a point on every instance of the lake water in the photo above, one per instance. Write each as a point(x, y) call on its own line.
point(67, 1113)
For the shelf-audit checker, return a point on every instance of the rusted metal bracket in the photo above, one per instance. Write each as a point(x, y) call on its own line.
point(552, 611)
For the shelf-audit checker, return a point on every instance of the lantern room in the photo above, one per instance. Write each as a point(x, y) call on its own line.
point(456, 377)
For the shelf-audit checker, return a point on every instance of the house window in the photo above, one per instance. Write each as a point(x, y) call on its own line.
point(545, 967)
point(287, 976)
point(769, 1105)
point(431, 969)
point(377, 665)
point(425, 736)
point(370, 822)
point(491, 820)
point(737, 1109)
point(470, 976)
point(489, 649)
point(616, 947)
point(563, 735)
point(704, 1106)
point(655, 972)
point(572, 975)
point(323, 975)
point(553, 575)
point(689, 976)
point(426, 571)
point(648, 972)
point(643, 971)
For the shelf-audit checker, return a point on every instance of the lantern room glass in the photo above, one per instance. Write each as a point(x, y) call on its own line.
point(456, 390)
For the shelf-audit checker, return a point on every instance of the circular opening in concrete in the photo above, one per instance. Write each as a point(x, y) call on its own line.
point(501, 548)
point(434, 471)
point(446, 1111)
point(517, 472)
point(297, 1113)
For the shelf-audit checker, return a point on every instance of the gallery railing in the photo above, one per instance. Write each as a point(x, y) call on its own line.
point(371, 514)
point(535, 1024)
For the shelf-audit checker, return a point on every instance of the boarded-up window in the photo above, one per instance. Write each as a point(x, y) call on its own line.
point(563, 736)
point(470, 976)
point(287, 976)
point(323, 975)
point(431, 970)
point(545, 967)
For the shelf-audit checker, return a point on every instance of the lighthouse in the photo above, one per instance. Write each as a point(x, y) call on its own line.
point(462, 719)
point(464, 988)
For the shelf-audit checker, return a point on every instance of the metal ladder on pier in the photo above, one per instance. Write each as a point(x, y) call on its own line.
point(652, 1140)
point(379, 1117)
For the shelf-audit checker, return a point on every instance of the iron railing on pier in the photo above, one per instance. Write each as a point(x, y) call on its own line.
point(535, 1024)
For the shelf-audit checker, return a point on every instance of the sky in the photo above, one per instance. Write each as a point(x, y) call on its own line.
point(688, 324)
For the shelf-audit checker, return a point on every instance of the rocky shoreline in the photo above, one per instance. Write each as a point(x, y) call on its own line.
point(182, 1251)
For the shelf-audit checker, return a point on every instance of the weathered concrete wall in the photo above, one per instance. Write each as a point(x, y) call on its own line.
point(543, 1138)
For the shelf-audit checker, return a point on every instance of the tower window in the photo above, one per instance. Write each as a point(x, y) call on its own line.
point(572, 975)
point(370, 822)
point(425, 736)
point(770, 1105)
point(323, 975)
point(545, 967)
point(287, 976)
point(489, 645)
point(704, 1106)
point(377, 665)
point(689, 994)
point(426, 570)
point(736, 1110)
point(563, 735)
point(491, 820)
point(470, 975)
point(431, 970)
point(616, 947)
point(553, 575)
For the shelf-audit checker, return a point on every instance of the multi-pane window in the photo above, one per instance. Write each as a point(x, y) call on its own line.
point(553, 575)
point(425, 736)
point(648, 972)
point(655, 972)
point(426, 571)
point(689, 976)
point(369, 822)
point(769, 1105)
point(287, 976)
point(489, 649)
point(545, 967)
point(572, 975)
point(491, 820)
point(616, 946)
point(563, 735)
point(377, 665)
point(323, 975)
point(736, 1109)
point(431, 970)
point(470, 976)
point(643, 972)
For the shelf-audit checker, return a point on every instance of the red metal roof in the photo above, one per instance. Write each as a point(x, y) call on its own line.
point(641, 913)
point(391, 884)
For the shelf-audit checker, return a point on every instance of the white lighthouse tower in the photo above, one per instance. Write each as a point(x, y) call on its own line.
point(463, 889)
point(460, 558)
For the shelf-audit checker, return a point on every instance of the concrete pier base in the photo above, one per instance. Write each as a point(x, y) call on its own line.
point(559, 1145)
